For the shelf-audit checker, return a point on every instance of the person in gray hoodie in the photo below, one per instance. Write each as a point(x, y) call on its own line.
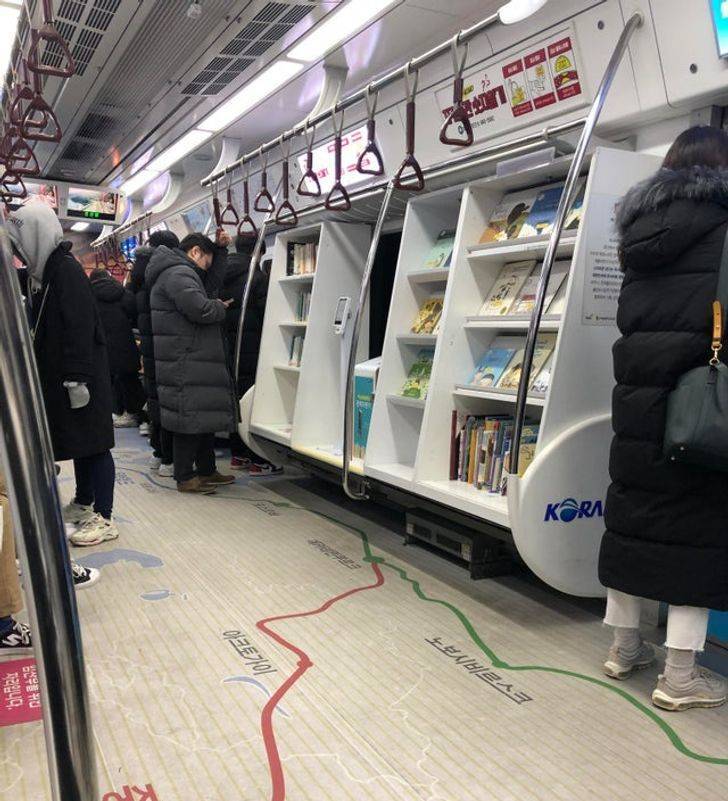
point(194, 386)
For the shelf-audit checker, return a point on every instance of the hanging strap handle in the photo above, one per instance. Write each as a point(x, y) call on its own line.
point(39, 106)
point(229, 215)
point(415, 182)
point(371, 148)
point(458, 114)
point(217, 214)
point(24, 94)
point(338, 198)
point(21, 158)
point(12, 181)
point(55, 43)
point(263, 200)
point(251, 232)
point(287, 215)
point(309, 174)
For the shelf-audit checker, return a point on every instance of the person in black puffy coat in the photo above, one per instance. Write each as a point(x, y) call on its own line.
point(159, 438)
point(667, 523)
point(118, 313)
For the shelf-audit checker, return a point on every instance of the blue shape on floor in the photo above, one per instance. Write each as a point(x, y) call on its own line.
point(162, 595)
point(106, 558)
point(255, 683)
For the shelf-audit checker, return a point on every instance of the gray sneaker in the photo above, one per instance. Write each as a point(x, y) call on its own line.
point(620, 667)
point(703, 691)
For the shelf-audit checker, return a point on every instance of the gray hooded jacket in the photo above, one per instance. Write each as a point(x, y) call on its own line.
point(193, 381)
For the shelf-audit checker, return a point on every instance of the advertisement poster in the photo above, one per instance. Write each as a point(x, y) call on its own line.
point(540, 81)
point(37, 193)
point(352, 144)
point(603, 276)
point(19, 692)
point(91, 204)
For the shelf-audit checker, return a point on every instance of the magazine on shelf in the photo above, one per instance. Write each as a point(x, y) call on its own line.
point(540, 221)
point(543, 378)
point(418, 377)
point(440, 254)
point(508, 217)
point(429, 315)
point(493, 363)
point(506, 288)
point(545, 345)
point(526, 299)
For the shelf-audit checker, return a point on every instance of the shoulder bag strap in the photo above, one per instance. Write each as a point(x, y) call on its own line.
point(34, 329)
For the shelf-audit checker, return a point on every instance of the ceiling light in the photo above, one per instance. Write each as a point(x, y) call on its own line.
point(137, 181)
point(260, 88)
point(338, 26)
point(79, 226)
point(189, 142)
point(518, 10)
point(8, 23)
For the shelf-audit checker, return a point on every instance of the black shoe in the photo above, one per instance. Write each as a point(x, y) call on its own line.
point(84, 576)
point(17, 640)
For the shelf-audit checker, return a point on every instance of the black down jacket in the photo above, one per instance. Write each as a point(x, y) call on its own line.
point(70, 346)
point(144, 323)
point(667, 524)
point(193, 381)
point(118, 312)
point(233, 289)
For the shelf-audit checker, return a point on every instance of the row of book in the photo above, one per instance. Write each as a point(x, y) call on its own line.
point(301, 258)
point(303, 306)
point(418, 378)
point(480, 447)
point(514, 291)
point(501, 365)
point(295, 351)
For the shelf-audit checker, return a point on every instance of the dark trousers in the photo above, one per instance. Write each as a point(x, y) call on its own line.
point(239, 449)
point(95, 476)
point(162, 441)
point(193, 450)
point(129, 394)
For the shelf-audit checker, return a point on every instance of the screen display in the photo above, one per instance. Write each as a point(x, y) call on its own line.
point(352, 144)
point(128, 246)
point(720, 23)
point(198, 218)
point(91, 204)
point(37, 193)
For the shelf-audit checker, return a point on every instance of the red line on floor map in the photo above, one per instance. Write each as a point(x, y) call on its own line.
point(278, 781)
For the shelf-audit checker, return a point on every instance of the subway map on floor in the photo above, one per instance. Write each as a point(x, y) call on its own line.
point(264, 644)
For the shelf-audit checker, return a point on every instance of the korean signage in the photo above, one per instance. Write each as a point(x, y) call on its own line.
point(352, 144)
point(20, 702)
point(603, 276)
point(540, 81)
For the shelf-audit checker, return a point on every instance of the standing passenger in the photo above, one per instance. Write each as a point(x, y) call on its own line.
point(667, 523)
point(70, 351)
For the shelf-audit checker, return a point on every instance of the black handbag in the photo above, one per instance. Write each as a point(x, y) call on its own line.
point(696, 428)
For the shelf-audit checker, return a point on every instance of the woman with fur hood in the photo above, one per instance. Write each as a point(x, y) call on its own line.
point(667, 523)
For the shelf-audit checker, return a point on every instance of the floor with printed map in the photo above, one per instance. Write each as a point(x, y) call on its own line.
point(274, 642)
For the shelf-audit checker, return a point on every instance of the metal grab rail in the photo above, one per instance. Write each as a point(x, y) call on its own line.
point(567, 198)
point(36, 511)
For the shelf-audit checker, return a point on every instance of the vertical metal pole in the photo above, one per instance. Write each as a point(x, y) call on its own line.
point(356, 322)
point(567, 199)
point(36, 509)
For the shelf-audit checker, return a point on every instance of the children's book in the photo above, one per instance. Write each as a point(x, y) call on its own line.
point(526, 299)
point(541, 218)
point(440, 254)
point(418, 378)
point(544, 347)
point(428, 317)
point(506, 288)
point(558, 304)
point(508, 217)
point(493, 363)
point(573, 217)
point(543, 378)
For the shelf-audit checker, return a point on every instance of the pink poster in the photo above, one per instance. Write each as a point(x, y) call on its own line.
point(540, 84)
point(515, 80)
point(20, 694)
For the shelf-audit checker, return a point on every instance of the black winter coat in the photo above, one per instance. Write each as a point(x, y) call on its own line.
point(70, 346)
point(667, 524)
point(193, 381)
point(144, 323)
point(233, 289)
point(118, 313)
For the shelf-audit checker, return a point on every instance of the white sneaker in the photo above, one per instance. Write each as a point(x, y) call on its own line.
point(621, 666)
point(702, 691)
point(84, 576)
point(125, 420)
point(166, 471)
point(95, 531)
point(154, 462)
point(144, 429)
point(77, 513)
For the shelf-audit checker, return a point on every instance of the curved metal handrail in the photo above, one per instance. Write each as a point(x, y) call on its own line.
point(567, 198)
point(36, 511)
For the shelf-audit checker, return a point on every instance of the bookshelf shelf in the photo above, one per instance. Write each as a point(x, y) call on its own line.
point(303, 278)
point(288, 368)
point(462, 495)
point(428, 276)
point(401, 400)
point(396, 473)
point(280, 433)
point(334, 459)
point(509, 323)
point(294, 324)
point(503, 395)
point(516, 249)
point(417, 339)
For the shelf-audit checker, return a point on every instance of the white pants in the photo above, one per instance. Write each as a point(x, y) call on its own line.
point(687, 626)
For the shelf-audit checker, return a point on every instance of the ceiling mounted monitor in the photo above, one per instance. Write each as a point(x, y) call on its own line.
point(91, 204)
point(719, 9)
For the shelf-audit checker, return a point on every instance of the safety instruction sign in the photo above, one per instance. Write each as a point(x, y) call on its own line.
point(603, 276)
point(540, 81)
point(20, 702)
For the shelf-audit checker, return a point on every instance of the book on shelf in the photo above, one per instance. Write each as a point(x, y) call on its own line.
point(303, 306)
point(545, 345)
point(365, 385)
point(508, 217)
point(558, 304)
point(428, 317)
point(526, 299)
point(573, 216)
point(541, 383)
point(301, 258)
point(295, 351)
point(493, 363)
point(440, 254)
point(418, 377)
point(506, 288)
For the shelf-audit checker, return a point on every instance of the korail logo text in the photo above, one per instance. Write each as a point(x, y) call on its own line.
point(570, 509)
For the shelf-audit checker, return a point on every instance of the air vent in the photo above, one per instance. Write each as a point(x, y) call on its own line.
point(259, 48)
point(102, 14)
point(77, 151)
point(94, 125)
point(271, 12)
point(72, 10)
point(296, 14)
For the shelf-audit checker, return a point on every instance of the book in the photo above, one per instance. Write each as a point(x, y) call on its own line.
point(366, 375)
point(479, 447)
point(492, 364)
point(558, 304)
point(526, 299)
point(573, 217)
point(545, 345)
point(418, 377)
point(508, 217)
point(540, 221)
point(506, 288)
point(301, 258)
point(543, 378)
point(428, 317)
point(440, 254)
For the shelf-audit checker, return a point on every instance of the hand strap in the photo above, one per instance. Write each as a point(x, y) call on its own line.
point(458, 114)
point(263, 200)
point(371, 148)
point(310, 174)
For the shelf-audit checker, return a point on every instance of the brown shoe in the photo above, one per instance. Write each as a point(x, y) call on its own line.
point(195, 485)
point(217, 480)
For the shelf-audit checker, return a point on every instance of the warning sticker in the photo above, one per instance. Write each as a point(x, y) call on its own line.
point(20, 701)
point(515, 80)
point(538, 78)
point(563, 69)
